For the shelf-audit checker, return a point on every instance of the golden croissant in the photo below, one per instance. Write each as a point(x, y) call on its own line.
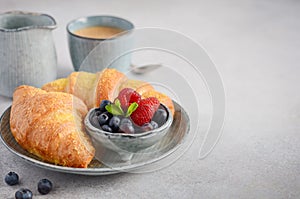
point(106, 84)
point(50, 125)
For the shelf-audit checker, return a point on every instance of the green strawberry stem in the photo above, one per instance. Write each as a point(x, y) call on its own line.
point(133, 106)
point(116, 108)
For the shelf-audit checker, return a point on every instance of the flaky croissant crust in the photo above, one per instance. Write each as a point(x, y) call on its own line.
point(50, 125)
point(106, 84)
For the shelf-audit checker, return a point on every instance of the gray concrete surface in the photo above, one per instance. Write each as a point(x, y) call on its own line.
point(256, 47)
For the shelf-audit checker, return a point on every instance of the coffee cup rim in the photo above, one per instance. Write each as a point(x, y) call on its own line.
point(94, 16)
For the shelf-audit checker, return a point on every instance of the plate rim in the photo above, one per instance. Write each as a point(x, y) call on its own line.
point(100, 170)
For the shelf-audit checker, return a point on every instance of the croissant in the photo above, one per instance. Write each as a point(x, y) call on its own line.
point(106, 84)
point(50, 125)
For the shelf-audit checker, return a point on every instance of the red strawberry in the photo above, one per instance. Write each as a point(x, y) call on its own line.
point(128, 96)
point(145, 111)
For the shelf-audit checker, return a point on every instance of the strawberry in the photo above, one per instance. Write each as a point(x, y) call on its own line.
point(145, 111)
point(128, 96)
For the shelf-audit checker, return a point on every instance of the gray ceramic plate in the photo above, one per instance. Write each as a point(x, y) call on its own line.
point(172, 141)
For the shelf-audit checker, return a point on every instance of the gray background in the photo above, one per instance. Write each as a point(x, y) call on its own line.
point(256, 47)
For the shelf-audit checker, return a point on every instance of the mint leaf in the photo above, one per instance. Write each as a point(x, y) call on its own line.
point(114, 109)
point(133, 106)
point(118, 103)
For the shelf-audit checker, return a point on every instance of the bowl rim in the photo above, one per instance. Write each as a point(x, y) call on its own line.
point(134, 135)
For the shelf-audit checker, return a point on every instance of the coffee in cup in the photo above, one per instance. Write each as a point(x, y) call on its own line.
point(98, 32)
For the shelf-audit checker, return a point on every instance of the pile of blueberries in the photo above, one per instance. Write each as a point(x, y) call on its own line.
point(106, 121)
point(44, 186)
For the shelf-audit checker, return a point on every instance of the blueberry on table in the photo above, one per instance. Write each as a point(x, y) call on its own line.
point(114, 123)
point(11, 178)
point(23, 194)
point(160, 116)
point(44, 186)
point(103, 104)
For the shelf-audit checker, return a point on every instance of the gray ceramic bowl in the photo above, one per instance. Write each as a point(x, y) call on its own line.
point(125, 144)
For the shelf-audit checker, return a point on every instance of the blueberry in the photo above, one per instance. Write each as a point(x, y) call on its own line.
point(95, 122)
point(23, 194)
point(103, 118)
point(98, 111)
point(147, 127)
point(160, 116)
point(127, 128)
point(114, 123)
point(11, 178)
point(109, 114)
point(154, 124)
point(103, 104)
point(126, 120)
point(44, 186)
point(106, 128)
